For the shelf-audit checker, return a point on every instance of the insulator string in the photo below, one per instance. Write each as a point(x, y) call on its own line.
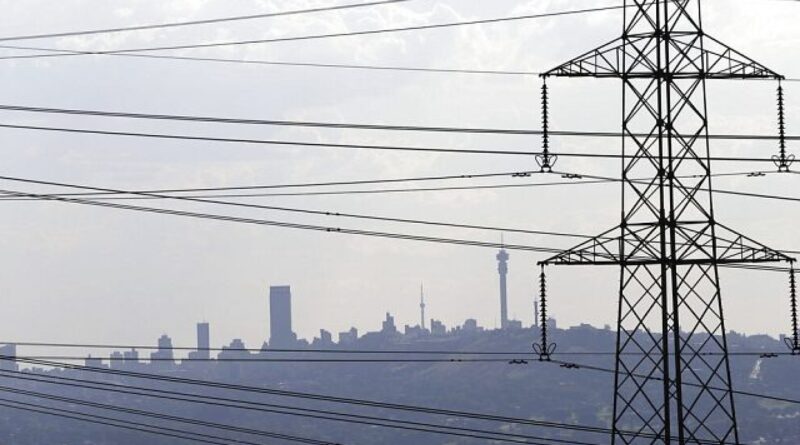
point(794, 342)
point(546, 160)
point(782, 160)
point(544, 348)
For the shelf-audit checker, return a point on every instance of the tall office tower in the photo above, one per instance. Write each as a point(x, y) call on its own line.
point(421, 307)
point(502, 269)
point(203, 343)
point(280, 317)
point(535, 313)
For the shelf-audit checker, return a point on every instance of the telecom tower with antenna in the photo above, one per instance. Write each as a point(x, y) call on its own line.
point(502, 270)
point(672, 382)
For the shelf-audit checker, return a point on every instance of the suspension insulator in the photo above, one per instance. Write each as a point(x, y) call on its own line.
point(793, 341)
point(546, 160)
point(782, 160)
point(543, 348)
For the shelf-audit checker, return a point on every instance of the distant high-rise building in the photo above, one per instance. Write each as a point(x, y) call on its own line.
point(93, 362)
point(203, 351)
point(236, 350)
point(388, 325)
point(163, 357)
point(535, 313)
point(502, 269)
point(421, 307)
point(325, 338)
point(131, 357)
point(116, 360)
point(471, 325)
point(8, 353)
point(438, 328)
point(280, 317)
point(514, 324)
point(348, 337)
point(203, 341)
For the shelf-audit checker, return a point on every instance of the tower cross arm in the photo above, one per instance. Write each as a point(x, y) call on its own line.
point(639, 244)
point(696, 56)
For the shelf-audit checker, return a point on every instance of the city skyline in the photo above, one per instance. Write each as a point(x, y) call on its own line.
point(201, 270)
point(434, 222)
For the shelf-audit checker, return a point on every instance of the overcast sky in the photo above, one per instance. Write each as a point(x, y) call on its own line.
point(82, 274)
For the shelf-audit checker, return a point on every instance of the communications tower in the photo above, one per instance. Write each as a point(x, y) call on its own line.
point(502, 270)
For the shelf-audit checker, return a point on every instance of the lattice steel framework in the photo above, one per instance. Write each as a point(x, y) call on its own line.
point(673, 382)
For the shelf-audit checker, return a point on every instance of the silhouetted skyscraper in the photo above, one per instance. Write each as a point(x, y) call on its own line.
point(280, 317)
point(535, 313)
point(502, 269)
point(203, 341)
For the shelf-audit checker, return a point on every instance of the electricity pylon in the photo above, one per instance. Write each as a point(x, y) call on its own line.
point(673, 381)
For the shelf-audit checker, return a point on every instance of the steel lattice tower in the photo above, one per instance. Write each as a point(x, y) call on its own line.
point(673, 382)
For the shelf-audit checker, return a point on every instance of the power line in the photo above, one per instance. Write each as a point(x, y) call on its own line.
point(294, 210)
point(198, 22)
point(57, 52)
point(262, 141)
point(333, 399)
point(102, 197)
point(513, 360)
point(716, 190)
point(349, 66)
point(335, 351)
point(575, 179)
point(572, 365)
point(701, 354)
point(330, 35)
point(309, 211)
point(284, 360)
point(352, 126)
point(327, 229)
point(767, 268)
point(115, 423)
point(166, 417)
point(286, 224)
point(279, 350)
point(272, 408)
point(313, 396)
point(331, 183)
point(348, 146)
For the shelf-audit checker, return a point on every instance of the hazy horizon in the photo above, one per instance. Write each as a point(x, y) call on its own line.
point(87, 275)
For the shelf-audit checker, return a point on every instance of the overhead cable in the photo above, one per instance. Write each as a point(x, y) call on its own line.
point(312, 396)
point(271, 408)
point(329, 35)
point(197, 22)
point(359, 126)
point(284, 224)
point(166, 417)
point(347, 146)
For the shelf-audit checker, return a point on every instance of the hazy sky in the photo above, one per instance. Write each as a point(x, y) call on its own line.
point(80, 274)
